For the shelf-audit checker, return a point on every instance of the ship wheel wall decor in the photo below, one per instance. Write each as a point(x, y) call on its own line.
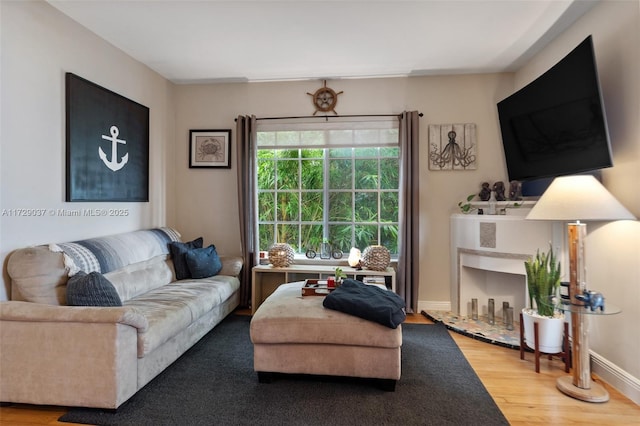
point(325, 99)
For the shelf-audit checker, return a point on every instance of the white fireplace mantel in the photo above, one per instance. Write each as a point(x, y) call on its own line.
point(488, 254)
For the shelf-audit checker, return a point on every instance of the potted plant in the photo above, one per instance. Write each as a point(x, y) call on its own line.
point(543, 282)
point(340, 275)
point(465, 206)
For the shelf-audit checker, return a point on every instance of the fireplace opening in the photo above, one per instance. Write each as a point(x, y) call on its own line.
point(483, 284)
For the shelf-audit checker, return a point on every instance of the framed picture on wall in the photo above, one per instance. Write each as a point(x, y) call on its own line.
point(210, 149)
point(107, 144)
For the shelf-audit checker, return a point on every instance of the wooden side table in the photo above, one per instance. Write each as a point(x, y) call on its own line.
point(580, 385)
point(266, 278)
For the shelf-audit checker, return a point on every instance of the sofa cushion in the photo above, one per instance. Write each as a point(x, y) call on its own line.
point(38, 275)
point(178, 251)
point(173, 307)
point(138, 278)
point(204, 262)
point(106, 254)
point(91, 289)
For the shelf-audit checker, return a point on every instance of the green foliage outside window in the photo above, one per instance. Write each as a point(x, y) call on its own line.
point(360, 198)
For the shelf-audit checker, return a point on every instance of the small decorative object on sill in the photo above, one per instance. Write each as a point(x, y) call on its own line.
point(281, 255)
point(491, 312)
point(505, 306)
point(336, 254)
point(354, 257)
point(474, 309)
point(376, 258)
point(325, 250)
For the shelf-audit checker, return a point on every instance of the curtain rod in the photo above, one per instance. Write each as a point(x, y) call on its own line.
point(327, 117)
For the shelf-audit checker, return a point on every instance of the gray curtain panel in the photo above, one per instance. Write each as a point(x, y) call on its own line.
point(408, 272)
point(246, 134)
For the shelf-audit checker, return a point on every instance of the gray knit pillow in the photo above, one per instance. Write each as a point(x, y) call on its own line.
point(91, 289)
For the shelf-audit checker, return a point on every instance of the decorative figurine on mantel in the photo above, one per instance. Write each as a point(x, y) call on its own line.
point(498, 188)
point(485, 192)
point(515, 190)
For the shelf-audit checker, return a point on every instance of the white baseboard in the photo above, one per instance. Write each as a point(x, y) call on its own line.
point(624, 382)
point(429, 305)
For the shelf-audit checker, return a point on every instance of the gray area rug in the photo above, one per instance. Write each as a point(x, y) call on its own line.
point(214, 384)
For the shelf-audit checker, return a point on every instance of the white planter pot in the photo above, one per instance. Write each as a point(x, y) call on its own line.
point(550, 331)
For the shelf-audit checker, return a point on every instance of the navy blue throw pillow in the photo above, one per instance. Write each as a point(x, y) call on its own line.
point(367, 301)
point(91, 289)
point(203, 262)
point(178, 251)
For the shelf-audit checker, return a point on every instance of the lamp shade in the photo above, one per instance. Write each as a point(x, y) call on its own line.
point(582, 197)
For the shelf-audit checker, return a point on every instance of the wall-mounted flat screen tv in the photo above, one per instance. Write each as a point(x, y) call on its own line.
point(556, 125)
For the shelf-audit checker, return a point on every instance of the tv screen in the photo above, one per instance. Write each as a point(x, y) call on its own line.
point(556, 125)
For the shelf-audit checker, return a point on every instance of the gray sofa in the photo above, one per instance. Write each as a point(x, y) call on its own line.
point(96, 356)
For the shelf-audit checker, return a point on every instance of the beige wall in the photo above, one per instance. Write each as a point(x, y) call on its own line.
point(613, 250)
point(40, 44)
point(209, 206)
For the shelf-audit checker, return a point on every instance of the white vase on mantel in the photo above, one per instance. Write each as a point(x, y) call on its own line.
point(550, 331)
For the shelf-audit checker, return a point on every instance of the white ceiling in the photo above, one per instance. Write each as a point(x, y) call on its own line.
point(190, 41)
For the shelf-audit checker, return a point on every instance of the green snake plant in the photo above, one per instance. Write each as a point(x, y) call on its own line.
point(543, 277)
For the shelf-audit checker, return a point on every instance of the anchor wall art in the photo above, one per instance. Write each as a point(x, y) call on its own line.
point(452, 146)
point(107, 144)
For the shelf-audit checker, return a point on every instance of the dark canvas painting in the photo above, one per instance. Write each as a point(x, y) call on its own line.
point(107, 144)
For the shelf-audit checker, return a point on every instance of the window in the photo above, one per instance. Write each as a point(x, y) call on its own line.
point(334, 181)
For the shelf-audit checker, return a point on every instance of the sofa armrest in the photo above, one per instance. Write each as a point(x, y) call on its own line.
point(38, 312)
point(68, 356)
point(231, 265)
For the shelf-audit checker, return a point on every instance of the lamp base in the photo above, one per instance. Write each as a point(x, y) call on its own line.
point(597, 393)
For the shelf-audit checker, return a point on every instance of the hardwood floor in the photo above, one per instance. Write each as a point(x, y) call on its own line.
point(529, 398)
point(524, 396)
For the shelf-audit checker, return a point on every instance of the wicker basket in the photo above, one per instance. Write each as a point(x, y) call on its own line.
point(281, 255)
point(376, 258)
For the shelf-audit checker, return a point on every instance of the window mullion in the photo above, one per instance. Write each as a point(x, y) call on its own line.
point(299, 219)
point(325, 190)
point(353, 197)
point(379, 198)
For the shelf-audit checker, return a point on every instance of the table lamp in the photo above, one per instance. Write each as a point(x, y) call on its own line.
point(574, 199)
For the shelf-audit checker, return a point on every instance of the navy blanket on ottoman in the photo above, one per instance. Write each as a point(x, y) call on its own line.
point(367, 301)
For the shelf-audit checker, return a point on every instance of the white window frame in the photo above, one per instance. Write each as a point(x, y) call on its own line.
point(338, 132)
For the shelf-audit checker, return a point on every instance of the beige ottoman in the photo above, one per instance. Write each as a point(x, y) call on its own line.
point(296, 334)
